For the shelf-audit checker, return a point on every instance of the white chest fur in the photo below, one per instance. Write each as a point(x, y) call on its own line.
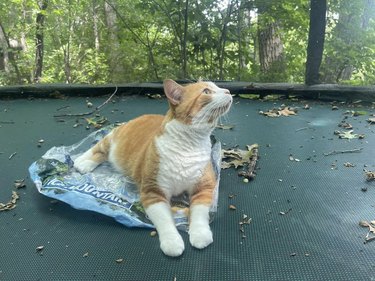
point(184, 154)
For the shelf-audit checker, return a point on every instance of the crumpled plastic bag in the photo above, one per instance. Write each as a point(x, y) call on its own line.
point(105, 190)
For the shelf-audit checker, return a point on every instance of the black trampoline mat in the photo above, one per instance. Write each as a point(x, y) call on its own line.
point(304, 214)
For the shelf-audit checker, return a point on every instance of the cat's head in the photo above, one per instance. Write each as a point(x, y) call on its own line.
point(200, 103)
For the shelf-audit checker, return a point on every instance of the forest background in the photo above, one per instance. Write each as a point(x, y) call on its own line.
point(119, 41)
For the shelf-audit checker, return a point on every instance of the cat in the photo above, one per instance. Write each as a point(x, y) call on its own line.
point(168, 155)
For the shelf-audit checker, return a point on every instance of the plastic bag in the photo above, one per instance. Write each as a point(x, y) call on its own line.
point(104, 190)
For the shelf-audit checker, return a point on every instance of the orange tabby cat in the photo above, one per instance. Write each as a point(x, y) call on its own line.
point(168, 155)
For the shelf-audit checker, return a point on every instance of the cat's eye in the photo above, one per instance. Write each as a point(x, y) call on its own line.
point(206, 91)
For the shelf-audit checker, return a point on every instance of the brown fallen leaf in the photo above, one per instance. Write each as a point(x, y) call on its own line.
point(232, 207)
point(225, 127)
point(370, 235)
point(19, 183)
point(284, 213)
point(237, 157)
point(287, 112)
point(370, 175)
point(277, 112)
point(345, 125)
point(39, 249)
point(348, 135)
point(11, 204)
point(97, 121)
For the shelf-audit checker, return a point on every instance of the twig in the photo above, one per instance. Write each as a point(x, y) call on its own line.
point(11, 156)
point(90, 112)
point(301, 129)
point(6, 122)
point(61, 108)
point(343, 151)
point(249, 173)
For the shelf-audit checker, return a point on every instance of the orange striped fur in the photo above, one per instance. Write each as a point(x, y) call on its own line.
point(143, 149)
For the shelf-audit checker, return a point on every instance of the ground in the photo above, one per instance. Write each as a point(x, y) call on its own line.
point(304, 214)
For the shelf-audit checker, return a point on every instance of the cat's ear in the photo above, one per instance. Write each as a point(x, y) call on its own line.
point(173, 91)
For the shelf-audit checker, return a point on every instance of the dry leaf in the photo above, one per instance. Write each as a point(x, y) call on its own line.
point(19, 183)
point(284, 213)
point(237, 157)
point(85, 255)
point(370, 175)
point(154, 96)
point(232, 207)
point(277, 112)
point(96, 122)
point(345, 125)
point(11, 204)
point(287, 112)
point(347, 135)
point(119, 260)
point(371, 229)
point(358, 113)
point(225, 127)
point(39, 248)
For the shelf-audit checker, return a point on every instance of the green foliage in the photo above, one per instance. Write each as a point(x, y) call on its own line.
point(147, 40)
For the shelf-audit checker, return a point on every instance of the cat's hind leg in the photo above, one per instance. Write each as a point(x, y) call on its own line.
point(93, 157)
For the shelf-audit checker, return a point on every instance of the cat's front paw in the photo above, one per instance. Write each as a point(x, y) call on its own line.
point(200, 237)
point(84, 165)
point(172, 246)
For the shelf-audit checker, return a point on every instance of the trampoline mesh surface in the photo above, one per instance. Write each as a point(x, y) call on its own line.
point(318, 237)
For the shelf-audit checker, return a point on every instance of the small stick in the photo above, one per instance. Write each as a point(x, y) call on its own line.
point(11, 156)
point(6, 122)
point(90, 112)
point(61, 108)
point(301, 129)
point(249, 173)
point(343, 151)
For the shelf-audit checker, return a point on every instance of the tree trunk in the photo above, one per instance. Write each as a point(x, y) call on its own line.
point(5, 50)
point(223, 38)
point(39, 40)
point(7, 56)
point(184, 41)
point(114, 43)
point(318, 9)
point(95, 18)
point(368, 13)
point(270, 45)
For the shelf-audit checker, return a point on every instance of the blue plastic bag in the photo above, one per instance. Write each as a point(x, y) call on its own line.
point(104, 190)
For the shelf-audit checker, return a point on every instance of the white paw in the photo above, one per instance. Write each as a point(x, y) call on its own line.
point(172, 245)
point(85, 166)
point(200, 237)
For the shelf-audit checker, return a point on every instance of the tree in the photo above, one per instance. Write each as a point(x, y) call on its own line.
point(7, 54)
point(315, 46)
point(351, 25)
point(39, 40)
point(271, 49)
